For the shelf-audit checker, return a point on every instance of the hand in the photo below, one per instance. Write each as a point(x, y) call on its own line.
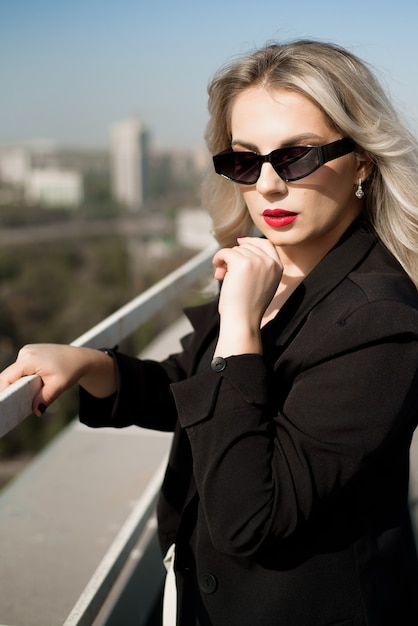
point(251, 273)
point(60, 367)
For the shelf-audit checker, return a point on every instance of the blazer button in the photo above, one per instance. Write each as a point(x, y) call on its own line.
point(207, 582)
point(218, 364)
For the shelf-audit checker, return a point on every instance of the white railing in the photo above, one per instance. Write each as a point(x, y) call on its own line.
point(16, 400)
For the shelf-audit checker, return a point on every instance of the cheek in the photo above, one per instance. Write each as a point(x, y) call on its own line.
point(343, 177)
point(332, 185)
point(251, 198)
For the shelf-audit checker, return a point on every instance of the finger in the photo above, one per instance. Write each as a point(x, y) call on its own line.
point(259, 245)
point(15, 372)
point(11, 374)
point(46, 395)
point(249, 251)
point(237, 258)
point(220, 273)
point(220, 257)
point(221, 260)
point(40, 404)
point(255, 254)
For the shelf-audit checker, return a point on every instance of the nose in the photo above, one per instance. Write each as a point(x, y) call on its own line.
point(269, 181)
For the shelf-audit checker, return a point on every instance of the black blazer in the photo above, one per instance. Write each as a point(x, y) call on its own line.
point(286, 491)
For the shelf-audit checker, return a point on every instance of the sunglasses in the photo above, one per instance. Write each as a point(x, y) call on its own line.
point(290, 164)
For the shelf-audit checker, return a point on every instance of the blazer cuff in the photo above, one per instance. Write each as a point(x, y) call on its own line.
point(97, 412)
point(242, 380)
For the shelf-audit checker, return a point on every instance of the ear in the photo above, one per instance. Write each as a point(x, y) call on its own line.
point(364, 167)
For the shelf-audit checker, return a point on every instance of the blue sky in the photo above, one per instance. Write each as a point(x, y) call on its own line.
point(70, 69)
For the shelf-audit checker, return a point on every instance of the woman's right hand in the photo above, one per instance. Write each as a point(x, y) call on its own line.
point(250, 273)
point(59, 368)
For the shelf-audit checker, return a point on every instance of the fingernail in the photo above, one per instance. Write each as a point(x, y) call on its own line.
point(41, 408)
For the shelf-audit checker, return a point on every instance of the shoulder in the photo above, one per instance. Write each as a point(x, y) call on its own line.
point(380, 277)
point(375, 302)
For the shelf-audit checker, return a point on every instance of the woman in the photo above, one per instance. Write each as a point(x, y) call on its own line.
point(294, 401)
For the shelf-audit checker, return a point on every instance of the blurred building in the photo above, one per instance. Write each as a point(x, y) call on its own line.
point(55, 188)
point(129, 161)
point(36, 173)
point(15, 163)
point(194, 228)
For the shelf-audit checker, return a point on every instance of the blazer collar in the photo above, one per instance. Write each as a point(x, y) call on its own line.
point(346, 255)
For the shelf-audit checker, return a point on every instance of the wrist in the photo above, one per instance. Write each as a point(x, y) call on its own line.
point(99, 376)
point(238, 341)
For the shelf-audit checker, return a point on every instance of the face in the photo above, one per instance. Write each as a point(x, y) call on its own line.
point(311, 213)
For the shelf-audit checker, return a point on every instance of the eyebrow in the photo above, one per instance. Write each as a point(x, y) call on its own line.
point(297, 140)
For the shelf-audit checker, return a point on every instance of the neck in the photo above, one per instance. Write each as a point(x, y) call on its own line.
point(298, 262)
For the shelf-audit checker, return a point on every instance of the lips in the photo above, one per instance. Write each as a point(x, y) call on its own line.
point(278, 217)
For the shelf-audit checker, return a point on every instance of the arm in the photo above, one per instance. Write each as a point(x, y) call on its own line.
point(117, 391)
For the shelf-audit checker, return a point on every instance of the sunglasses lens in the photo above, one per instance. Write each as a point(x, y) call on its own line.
point(295, 163)
point(289, 163)
point(292, 163)
point(241, 167)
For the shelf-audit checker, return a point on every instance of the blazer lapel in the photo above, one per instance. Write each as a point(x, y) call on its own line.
point(348, 253)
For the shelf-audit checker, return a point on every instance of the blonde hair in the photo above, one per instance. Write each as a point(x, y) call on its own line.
point(354, 102)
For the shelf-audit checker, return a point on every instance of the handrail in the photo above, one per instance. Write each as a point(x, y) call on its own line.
point(16, 400)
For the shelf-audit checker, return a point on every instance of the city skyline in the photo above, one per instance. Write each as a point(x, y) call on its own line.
point(70, 71)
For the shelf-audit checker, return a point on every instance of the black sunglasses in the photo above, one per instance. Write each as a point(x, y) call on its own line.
point(290, 164)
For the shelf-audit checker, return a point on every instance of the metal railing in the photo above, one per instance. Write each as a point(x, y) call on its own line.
point(16, 406)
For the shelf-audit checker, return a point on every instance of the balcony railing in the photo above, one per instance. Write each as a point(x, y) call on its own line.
point(50, 515)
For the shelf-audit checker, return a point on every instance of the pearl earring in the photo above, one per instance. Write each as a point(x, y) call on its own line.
point(359, 193)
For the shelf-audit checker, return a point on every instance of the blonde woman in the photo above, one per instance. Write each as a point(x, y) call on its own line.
point(294, 400)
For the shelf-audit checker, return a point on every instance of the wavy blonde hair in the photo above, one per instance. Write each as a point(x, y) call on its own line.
point(351, 97)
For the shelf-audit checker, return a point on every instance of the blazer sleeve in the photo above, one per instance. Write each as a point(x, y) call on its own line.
point(144, 397)
point(262, 470)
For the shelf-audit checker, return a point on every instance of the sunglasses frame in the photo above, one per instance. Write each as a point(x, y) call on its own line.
point(325, 153)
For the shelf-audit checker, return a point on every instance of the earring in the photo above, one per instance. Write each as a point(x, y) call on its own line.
point(359, 193)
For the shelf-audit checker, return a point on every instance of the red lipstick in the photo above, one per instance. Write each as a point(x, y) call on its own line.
point(278, 217)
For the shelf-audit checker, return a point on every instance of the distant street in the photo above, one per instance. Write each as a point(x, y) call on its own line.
point(138, 226)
